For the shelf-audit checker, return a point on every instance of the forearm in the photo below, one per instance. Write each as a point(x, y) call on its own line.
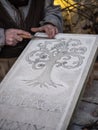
point(53, 15)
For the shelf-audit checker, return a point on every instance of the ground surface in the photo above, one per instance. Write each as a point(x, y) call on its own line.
point(87, 111)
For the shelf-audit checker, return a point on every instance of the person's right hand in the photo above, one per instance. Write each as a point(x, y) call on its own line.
point(13, 36)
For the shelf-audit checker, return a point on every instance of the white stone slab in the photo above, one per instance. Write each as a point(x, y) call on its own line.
point(42, 88)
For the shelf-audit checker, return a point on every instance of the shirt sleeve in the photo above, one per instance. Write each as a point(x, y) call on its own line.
point(52, 14)
point(2, 38)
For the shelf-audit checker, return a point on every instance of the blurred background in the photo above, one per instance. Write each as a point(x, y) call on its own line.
point(79, 16)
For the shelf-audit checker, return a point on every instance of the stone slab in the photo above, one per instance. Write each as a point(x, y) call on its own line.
point(42, 89)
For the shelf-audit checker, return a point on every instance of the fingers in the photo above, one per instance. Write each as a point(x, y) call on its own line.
point(36, 29)
point(49, 29)
point(13, 36)
point(51, 32)
point(19, 38)
point(13, 40)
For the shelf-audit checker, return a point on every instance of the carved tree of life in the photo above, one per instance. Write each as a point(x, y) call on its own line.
point(58, 53)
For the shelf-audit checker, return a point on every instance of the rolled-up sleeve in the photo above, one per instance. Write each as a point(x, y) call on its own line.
point(52, 14)
point(2, 38)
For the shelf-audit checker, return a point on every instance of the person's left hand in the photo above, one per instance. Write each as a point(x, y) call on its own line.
point(49, 29)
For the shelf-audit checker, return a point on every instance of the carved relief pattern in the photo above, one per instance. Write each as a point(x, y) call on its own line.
point(34, 101)
point(56, 53)
point(16, 125)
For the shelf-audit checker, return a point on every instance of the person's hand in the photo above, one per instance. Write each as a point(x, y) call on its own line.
point(13, 36)
point(49, 29)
